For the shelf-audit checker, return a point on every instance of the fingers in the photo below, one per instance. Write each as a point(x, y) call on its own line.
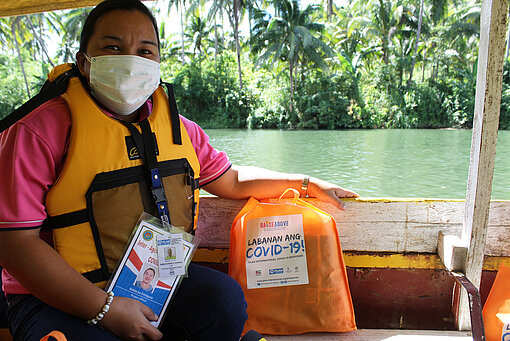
point(148, 313)
point(152, 333)
point(328, 192)
point(347, 193)
point(342, 206)
point(129, 319)
point(338, 193)
point(339, 203)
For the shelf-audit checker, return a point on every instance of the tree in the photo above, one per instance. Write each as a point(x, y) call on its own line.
point(68, 25)
point(347, 37)
point(329, 9)
point(386, 21)
point(198, 32)
point(289, 38)
point(235, 15)
point(459, 36)
point(14, 33)
point(418, 32)
point(38, 35)
point(180, 6)
point(215, 11)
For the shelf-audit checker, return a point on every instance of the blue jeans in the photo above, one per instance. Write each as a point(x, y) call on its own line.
point(208, 305)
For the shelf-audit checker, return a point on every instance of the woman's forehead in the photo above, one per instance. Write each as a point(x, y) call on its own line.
point(120, 22)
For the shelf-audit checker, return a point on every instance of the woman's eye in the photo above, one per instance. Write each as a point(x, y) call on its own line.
point(112, 47)
point(145, 51)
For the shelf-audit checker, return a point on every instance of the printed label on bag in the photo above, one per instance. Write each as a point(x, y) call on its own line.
point(275, 252)
point(505, 332)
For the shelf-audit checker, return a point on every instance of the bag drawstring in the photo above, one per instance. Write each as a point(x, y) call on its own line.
point(296, 194)
point(54, 335)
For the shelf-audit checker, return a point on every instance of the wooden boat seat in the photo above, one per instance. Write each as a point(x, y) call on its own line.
point(379, 335)
point(400, 288)
point(357, 335)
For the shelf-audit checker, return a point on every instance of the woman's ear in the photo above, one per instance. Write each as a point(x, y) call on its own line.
point(83, 64)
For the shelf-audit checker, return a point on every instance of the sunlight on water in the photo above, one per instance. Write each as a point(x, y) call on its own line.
point(375, 163)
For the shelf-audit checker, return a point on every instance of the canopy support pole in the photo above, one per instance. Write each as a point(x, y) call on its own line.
point(483, 145)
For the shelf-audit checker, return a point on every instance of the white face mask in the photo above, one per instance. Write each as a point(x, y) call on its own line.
point(123, 82)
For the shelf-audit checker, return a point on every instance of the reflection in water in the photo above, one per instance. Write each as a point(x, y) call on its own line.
point(375, 163)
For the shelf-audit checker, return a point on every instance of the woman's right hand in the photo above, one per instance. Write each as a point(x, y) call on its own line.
point(23, 249)
point(129, 320)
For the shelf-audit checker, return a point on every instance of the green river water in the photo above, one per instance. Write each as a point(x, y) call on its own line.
point(375, 163)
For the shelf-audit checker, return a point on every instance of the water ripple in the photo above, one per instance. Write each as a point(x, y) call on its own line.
point(376, 163)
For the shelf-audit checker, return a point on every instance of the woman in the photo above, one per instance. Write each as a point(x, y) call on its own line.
point(145, 283)
point(44, 289)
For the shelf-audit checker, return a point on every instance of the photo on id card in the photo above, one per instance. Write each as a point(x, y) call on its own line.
point(138, 276)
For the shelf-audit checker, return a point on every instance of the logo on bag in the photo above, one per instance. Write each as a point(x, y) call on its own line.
point(258, 273)
point(276, 271)
point(274, 225)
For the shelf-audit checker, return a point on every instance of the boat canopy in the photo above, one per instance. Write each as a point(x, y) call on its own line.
point(18, 7)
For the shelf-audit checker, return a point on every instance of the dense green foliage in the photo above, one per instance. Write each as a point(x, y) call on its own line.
point(504, 119)
point(208, 94)
point(11, 86)
point(367, 64)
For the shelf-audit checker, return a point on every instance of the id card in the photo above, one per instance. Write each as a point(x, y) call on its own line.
point(171, 255)
point(137, 274)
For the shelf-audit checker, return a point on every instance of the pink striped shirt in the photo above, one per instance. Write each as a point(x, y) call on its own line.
point(32, 153)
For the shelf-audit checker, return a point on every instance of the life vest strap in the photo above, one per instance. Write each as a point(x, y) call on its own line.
point(174, 114)
point(96, 276)
point(67, 219)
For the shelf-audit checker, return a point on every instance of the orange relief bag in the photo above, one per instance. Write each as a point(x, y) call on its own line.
point(287, 258)
point(496, 311)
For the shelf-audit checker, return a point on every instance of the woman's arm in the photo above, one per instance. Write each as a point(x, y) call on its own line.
point(41, 270)
point(241, 182)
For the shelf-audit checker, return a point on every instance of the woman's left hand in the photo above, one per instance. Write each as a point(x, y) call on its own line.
point(329, 192)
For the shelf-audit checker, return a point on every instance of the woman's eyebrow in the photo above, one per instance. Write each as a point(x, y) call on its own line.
point(150, 42)
point(111, 37)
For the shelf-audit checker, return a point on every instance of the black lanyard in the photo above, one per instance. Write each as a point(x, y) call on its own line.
point(147, 150)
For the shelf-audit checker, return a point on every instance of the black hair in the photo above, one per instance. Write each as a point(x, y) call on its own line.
point(153, 271)
point(106, 7)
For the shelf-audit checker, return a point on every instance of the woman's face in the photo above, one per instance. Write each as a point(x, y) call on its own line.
point(148, 276)
point(121, 32)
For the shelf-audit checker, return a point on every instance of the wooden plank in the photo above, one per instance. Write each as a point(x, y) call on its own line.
point(395, 261)
point(483, 146)
point(5, 335)
point(451, 251)
point(379, 335)
point(493, 263)
point(352, 259)
point(368, 260)
point(215, 217)
point(373, 225)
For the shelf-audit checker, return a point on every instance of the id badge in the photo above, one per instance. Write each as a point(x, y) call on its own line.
point(171, 255)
